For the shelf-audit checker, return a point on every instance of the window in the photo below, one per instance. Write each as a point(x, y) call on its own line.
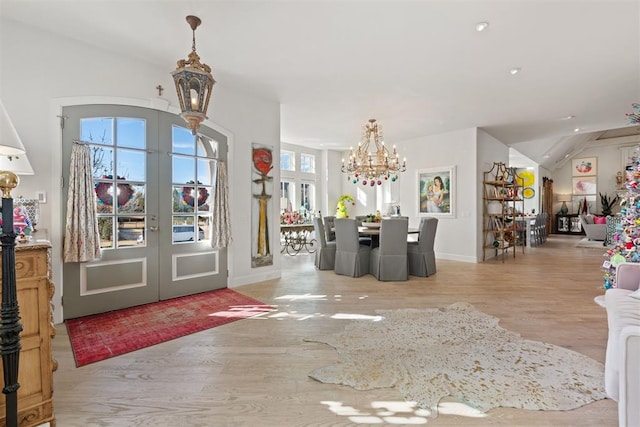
point(287, 160)
point(287, 196)
point(118, 159)
point(307, 163)
point(307, 196)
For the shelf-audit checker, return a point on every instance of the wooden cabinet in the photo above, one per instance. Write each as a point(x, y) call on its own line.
point(35, 290)
point(502, 198)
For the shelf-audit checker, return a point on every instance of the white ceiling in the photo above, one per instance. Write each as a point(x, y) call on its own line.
point(419, 67)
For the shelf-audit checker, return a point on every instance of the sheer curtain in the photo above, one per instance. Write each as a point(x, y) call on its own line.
point(81, 238)
point(221, 218)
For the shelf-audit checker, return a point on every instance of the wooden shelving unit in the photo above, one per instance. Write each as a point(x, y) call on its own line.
point(501, 197)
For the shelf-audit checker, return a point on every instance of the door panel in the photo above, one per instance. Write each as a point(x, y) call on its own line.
point(152, 249)
point(194, 265)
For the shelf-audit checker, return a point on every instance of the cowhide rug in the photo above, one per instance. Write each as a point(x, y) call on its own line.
point(457, 351)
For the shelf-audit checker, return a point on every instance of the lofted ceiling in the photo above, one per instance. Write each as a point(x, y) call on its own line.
point(419, 67)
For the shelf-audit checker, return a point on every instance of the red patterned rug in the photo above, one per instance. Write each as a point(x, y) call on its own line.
point(102, 336)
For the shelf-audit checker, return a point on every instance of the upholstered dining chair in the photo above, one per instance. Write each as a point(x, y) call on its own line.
point(352, 258)
point(422, 258)
point(329, 228)
point(326, 251)
point(388, 261)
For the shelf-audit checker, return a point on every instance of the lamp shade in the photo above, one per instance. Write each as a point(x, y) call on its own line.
point(564, 197)
point(18, 164)
point(10, 143)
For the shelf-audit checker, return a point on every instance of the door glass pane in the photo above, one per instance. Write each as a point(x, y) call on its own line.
point(184, 169)
point(183, 229)
point(131, 198)
point(131, 132)
point(104, 196)
point(131, 165)
point(183, 141)
point(183, 199)
point(307, 163)
point(204, 199)
point(105, 228)
point(287, 160)
point(98, 130)
point(205, 171)
point(101, 161)
point(131, 231)
point(204, 228)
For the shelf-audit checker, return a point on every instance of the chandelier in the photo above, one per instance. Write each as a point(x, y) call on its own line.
point(373, 168)
point(635, 116)
point(194, 82)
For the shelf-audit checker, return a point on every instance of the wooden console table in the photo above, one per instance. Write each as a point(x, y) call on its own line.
point(36, 365)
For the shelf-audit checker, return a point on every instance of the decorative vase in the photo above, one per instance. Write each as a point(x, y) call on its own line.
point(564, 209)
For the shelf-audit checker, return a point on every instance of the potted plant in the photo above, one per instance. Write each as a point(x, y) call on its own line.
point(607, 203)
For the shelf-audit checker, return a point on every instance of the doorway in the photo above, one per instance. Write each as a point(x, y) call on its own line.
point(154, 184)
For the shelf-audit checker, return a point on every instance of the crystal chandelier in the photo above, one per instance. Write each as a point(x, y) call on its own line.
point(373, 168)
point(635, 116)
point(194, 83)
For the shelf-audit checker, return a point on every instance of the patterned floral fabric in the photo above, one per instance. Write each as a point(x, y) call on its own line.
point(221, 218)
point(81, 239)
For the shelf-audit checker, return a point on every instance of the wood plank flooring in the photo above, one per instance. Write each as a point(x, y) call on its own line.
point(254, 372)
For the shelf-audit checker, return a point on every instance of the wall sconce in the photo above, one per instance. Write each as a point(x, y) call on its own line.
point(620, 179)
point(194, 83)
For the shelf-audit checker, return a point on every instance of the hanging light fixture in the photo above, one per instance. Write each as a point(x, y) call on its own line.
point(634, 117)
point(375, 167)
point(194, 83)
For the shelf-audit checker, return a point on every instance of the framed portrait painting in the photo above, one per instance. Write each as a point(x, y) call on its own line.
point(586, 166)
point(436, 191)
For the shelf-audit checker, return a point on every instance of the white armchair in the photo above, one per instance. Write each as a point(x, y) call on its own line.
point(622, 369)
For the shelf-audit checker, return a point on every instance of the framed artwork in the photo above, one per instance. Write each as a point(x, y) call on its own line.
point(586, 166)
point(436, 191)
point(584, 185)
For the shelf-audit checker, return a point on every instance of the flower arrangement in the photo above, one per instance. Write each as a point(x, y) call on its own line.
point(341, 208)
point(292, 217)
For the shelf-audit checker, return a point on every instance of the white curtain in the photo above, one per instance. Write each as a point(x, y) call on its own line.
point(221, 218)
point(81, 238)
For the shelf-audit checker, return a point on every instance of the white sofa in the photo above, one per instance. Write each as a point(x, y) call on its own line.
point(622, 365)
point(592, 230)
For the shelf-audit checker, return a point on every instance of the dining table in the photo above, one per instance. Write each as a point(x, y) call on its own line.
point(372, 229)
point(525, 222)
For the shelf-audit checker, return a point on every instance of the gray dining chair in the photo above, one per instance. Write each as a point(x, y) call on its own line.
point(329, 228)
point(422, 258)
point(326, 251)
point(388, 261)
point(352, 258)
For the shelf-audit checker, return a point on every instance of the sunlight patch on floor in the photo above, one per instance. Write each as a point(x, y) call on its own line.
point(399, 412)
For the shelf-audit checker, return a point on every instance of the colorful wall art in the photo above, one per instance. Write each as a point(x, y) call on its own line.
point(262, 160)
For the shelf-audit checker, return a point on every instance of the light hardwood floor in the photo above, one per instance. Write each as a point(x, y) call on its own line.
point(254, 372)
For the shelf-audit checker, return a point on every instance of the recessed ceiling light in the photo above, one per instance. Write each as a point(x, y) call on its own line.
point(515, 71)
point(567, 117)
point(481, 26)
point(576, 130)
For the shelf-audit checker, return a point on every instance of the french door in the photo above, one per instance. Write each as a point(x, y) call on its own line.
point(154, 183)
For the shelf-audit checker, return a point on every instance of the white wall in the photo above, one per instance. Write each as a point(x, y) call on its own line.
point(610, 160)
point(41, 72)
